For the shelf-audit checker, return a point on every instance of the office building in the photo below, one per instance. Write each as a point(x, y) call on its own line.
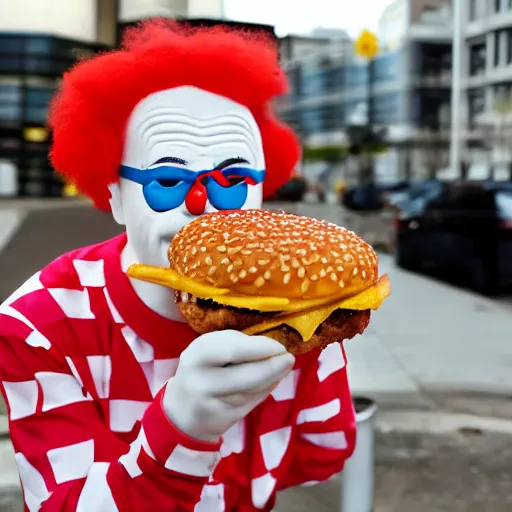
point(39, 41)
point(485, 87)
point(410, 89)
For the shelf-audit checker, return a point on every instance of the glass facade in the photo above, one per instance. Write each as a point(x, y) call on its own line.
point(30, 70)
point(350, 79)
point(410, 86)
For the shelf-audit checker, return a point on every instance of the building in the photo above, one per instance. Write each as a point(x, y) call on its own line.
point(485, 86)
point(41, 40)
point(410, 89)
point(35, 49)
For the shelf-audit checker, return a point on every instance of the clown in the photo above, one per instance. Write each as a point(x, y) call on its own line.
point(114, 403)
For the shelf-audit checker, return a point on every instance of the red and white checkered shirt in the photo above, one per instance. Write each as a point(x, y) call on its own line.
point(83, 365)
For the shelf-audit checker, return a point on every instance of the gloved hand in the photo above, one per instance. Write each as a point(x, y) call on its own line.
point(221, 377)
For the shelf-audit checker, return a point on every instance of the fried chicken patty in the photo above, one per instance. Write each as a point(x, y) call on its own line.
point(206, 316)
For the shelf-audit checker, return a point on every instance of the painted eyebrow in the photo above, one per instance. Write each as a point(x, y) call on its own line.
point(170, 160)
point(230, 161)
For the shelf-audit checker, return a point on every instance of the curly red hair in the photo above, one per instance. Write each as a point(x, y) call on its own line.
point(89, 114)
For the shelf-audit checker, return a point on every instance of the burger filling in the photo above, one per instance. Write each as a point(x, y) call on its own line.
point(205, 315)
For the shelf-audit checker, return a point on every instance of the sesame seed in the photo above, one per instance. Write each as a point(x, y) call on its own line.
point(260, 281)
point(314, 277)
point(286, 278)
point(212, 270)
point(242, 274)
point(253, 270)
point(263, 262)
point(225, 261)
point(285, 268)
point(334, 277)
point(304, 286)
point(203, 249)
point(222, 248)
point(341, 283)
point(230, 268)
point(267, 274)
point(356, 271)
point(301, 272)
point(323, 273)
point(363, 273)
point(208, 261)
point(193, 251)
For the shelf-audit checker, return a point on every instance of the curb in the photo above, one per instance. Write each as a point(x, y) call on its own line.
point(432, 422)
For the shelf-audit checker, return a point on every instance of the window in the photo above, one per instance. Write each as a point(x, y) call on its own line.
point(477, 59)
point(472, 10)
point(509, 46)
point(38, 45)
point(10, 112)
point(497, 53)
point(476, 105)
point(504, 204)
point(322, 119)
point(497, 5)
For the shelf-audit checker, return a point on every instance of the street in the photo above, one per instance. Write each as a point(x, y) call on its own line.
point(432, 349)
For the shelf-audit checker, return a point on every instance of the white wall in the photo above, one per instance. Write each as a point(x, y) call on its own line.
point(205, 9)
point(75, 19)
point(139, 9)
point(130, 10)
point(393, 24)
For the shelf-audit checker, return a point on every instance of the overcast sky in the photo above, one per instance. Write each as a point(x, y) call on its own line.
point(302, 16)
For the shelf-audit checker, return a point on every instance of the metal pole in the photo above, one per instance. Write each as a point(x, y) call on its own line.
point(457, 61)
point(358, 476)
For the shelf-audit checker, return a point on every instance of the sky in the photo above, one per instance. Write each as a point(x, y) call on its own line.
point(302, 16)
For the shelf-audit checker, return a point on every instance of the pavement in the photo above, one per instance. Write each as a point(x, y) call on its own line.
point(436, 359)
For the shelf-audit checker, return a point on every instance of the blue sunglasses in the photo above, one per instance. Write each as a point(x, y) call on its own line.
point(165, 187)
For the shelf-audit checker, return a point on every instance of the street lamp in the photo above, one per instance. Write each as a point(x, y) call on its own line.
point(367, 47)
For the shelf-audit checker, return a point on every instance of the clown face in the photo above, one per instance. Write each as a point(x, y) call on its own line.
point(187, 152)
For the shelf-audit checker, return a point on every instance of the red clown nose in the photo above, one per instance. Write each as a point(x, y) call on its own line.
point(196, 199)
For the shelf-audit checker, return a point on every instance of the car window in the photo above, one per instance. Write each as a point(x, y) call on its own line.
point(504, 204)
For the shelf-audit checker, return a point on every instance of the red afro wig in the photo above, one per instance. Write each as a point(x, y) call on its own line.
point(89, 114)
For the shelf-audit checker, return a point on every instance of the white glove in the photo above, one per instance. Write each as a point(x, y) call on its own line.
point(221, 377)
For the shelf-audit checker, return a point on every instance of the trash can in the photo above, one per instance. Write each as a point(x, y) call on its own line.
point(358, 476)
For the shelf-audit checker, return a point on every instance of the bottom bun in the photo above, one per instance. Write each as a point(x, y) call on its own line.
point(207, 316)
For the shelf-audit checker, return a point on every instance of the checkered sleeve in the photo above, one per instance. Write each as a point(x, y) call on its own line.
point(326, 424)
point(68, 458)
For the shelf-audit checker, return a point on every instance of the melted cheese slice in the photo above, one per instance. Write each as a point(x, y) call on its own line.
point(171, 279)
point(306, 323)
point(316, 310)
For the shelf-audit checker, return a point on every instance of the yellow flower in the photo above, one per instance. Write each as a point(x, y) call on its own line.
point(367, 45)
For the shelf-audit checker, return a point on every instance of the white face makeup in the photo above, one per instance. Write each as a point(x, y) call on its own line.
point(187, 128)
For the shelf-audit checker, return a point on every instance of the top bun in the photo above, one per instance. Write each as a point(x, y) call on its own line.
point(277, 254)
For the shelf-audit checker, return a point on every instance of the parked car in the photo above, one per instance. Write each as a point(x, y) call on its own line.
point(293, 191)
point(362, 198)
point(461, 230)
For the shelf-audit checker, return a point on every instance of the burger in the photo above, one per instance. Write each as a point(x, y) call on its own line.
point(303, 282)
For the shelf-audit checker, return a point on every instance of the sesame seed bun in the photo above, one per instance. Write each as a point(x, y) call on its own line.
point(274, 254)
